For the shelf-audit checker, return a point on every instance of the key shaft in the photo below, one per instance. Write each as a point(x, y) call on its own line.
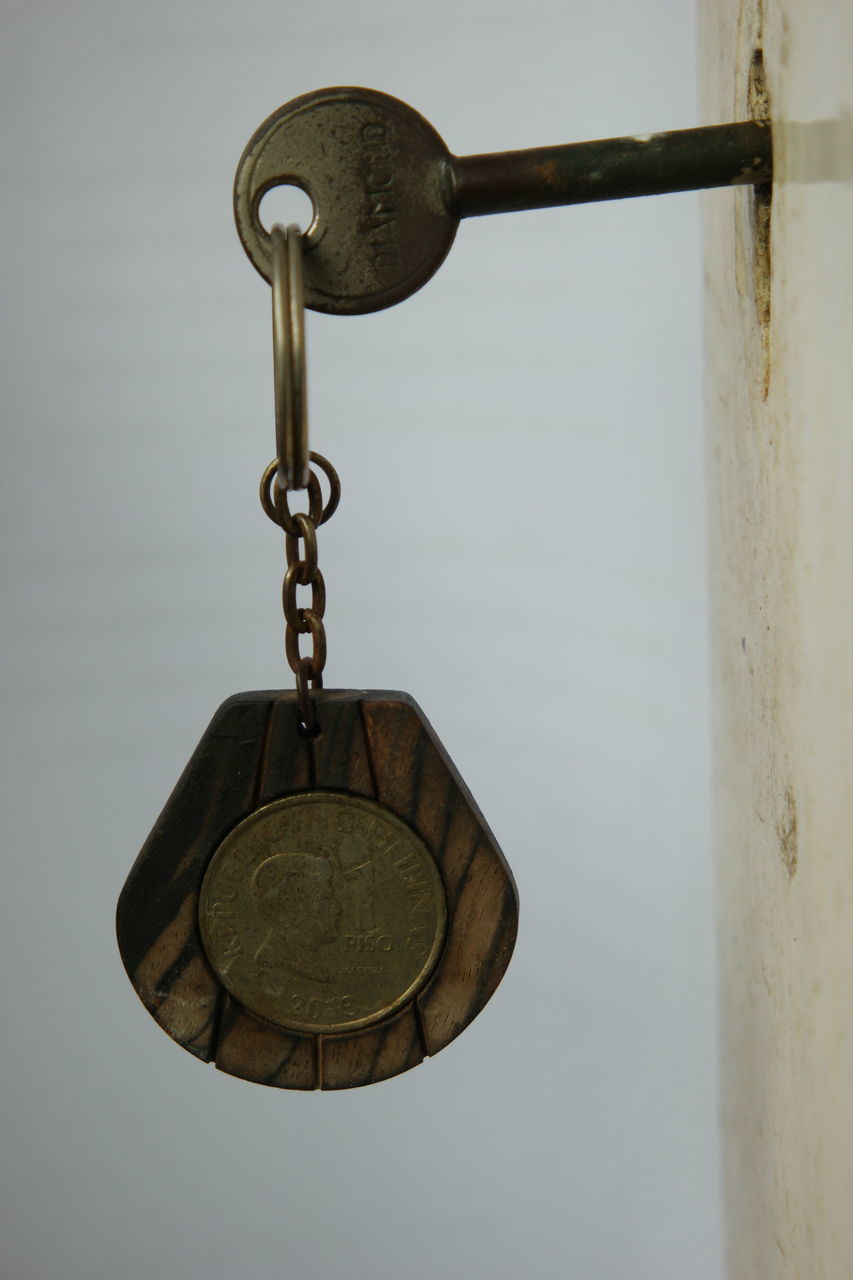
point(611, 169)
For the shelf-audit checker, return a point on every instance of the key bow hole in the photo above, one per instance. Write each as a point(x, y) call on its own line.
point(286, 203)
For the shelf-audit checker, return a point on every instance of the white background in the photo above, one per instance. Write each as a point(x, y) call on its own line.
point(520, 546)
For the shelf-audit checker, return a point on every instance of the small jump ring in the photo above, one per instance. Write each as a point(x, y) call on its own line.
point(275, 502)
point(307, 711)
point(334, 486)
point(274, 498)
point(288, 342)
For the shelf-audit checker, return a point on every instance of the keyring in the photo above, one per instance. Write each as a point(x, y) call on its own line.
point(288, 342)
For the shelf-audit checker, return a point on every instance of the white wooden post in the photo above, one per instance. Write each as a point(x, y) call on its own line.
point(780, 397)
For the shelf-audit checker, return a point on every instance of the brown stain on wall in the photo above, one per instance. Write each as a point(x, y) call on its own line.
point(786, 830)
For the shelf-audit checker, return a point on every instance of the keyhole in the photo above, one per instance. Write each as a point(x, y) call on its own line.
point(285, 204)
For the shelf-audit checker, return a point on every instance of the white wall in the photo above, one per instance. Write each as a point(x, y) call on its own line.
point(520, 546)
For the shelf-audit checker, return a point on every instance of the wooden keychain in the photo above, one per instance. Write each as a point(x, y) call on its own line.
point(320, 904)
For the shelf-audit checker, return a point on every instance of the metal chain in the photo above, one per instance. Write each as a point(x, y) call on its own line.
point(300, 544)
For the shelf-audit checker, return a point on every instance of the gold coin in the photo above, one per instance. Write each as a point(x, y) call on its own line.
point(322, 912)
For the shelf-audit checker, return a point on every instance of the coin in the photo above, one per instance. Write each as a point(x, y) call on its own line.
point(322, 912)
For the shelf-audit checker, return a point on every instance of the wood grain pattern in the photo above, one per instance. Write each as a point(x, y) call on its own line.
point(377, 1053)
point(341, 755)
point(156, 919)
point(253, 1050)
point(285, 764)
point(372, 744)
point(418, 780)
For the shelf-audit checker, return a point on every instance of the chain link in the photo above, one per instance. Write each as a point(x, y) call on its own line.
point(300, 544)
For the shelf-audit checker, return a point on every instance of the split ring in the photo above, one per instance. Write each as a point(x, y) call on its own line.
point(288, 342)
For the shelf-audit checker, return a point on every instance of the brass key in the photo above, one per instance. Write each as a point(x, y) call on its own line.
point(388, 195)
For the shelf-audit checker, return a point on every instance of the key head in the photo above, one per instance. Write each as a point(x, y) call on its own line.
point(379, 177)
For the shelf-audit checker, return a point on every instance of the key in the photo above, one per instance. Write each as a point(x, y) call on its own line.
point(388, 195)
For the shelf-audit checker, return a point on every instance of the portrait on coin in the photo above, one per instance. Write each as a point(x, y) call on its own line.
point(295, 897)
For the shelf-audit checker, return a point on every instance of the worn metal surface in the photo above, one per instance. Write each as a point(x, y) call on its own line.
point(375, 172)
point(388, 195)
point(613, 169)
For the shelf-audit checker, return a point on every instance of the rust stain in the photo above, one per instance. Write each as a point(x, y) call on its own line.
point(758, 108)
point(549, 172)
